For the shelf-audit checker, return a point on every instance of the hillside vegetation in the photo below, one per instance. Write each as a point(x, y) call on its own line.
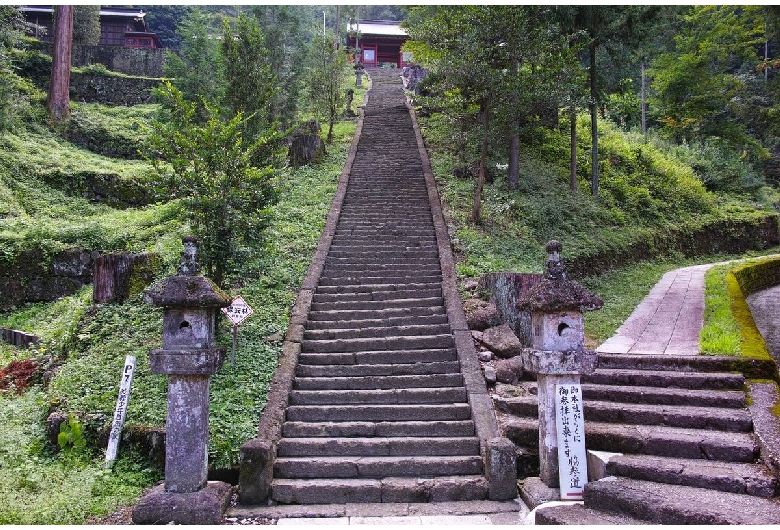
point(661, 204)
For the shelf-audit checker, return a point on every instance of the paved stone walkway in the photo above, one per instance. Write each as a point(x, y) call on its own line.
point(668, 321)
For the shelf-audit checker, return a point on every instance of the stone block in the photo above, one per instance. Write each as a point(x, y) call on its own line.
point(501, 469)
point(256, 471)
point(559, 362)
point(203, 507)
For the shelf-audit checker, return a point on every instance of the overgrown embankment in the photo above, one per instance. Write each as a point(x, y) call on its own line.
point(653, 203)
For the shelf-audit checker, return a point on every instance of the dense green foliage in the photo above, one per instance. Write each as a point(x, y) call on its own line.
point(506, 85)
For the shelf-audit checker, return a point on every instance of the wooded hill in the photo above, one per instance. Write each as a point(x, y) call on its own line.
point(508, 88)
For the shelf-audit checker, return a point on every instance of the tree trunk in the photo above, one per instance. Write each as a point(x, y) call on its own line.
point(573, 150)
point(514, 142)
point(594, 127)
point(482, 163)
point(59, 89)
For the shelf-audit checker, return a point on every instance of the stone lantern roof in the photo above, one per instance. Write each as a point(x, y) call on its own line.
point(187, 289)
point(556, 293)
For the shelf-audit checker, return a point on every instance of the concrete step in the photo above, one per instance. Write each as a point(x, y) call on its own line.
point(377, 382)
point(373, 332)
point(672, 504)
point(347, 315)
point(733, 477)
point(378, 343)
point(577, 514)
point(381, 429)
point(380, 357)
point(372, 412)
point(419, 369)
point(338, 324)
point(376, 466)
point(393, 489)
point(654, 440)
point(391, 446)
point(385, 397)
point(732, 420)
point(663, 379)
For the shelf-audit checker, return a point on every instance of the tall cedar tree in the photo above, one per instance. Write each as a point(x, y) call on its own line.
point(59, 88)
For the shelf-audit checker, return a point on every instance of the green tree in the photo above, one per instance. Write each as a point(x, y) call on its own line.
point(86, 24)
point(59, 87)
point(249, 82)
point(286, 55)
point(325, 78)
point(227, 200)
point(701, 85)
point(194, 70)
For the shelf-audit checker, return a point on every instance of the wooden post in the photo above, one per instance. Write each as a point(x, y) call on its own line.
point(59, 89)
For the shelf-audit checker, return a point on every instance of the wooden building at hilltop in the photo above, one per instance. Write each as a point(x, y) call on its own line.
point(379, 42)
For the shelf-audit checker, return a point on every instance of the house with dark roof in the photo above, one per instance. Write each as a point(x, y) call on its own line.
point(118, 26)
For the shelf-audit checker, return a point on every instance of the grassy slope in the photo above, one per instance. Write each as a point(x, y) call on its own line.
point(38, 485)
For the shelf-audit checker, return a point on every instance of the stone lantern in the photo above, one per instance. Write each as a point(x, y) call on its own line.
point(188, 357)
point(558, 355)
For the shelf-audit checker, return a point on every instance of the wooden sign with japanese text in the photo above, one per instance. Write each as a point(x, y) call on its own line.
point(570, 424)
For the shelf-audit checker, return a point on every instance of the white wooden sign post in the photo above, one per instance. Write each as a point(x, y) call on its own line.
point(237, 312)
point(570, 424)
point(121, 409)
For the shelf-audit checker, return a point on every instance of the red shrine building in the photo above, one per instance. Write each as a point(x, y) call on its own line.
point(379, 42)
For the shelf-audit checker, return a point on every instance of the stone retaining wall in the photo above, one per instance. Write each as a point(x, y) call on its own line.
point(114, 90)
point(754, 277)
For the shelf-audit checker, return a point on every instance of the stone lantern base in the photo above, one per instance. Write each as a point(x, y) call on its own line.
point(206, 506)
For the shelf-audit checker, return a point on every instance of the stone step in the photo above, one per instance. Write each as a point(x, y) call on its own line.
point(366, 305)
point(345, 315)
point(395, 294)
point(665, 396)
point(386, 397)
point(377, 382)
point(338, 324)
point(385, 331)
point(731, 420)
point(733, 477)
point(381, 429)
point(377, 343)
point(379, 357)
point(362, 279)
point(392, 446)
point(577, 514)
point(365, 412)
point(687, 380)
point(394, 489)
point(380, 255)
point(382, 269)
point(753, 368)
point(377, 466)
point(654, 440)
point(379, 370)
point(386, 287)
point(672, 504)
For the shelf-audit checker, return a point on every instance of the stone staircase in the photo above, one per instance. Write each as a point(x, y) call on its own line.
point(677, 439)
point(376, 405)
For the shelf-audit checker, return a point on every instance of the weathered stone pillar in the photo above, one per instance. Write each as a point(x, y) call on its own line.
point(189, 357)
point(558, 355)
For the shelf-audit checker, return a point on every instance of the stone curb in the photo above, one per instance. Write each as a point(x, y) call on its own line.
point(257, 454)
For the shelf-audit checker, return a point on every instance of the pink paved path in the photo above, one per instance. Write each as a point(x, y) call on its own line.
point(668, 321)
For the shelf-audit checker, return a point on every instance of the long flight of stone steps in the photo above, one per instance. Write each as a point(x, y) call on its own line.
point(685, 448)
point(378, 410)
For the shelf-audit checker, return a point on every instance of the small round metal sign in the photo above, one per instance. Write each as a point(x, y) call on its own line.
point(237, 311)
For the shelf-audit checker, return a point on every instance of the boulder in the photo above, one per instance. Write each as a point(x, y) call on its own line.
point(481, 315)
point(502, 341)
point(306, 146)
point(509, 371)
